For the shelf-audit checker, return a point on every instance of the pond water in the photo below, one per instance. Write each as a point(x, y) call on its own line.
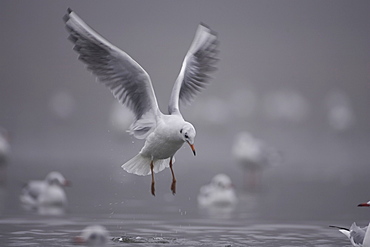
point(289, 209)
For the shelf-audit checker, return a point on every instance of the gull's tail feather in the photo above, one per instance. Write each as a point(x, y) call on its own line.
point(140, 165)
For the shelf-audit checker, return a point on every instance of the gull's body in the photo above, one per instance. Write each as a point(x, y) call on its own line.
point(165, 141)
point(132, 86)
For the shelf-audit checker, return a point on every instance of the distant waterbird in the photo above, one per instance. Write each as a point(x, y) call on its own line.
point(131, 85)
point(219, 193)
point(93, 235)
point(47, 193)
point(254, 156)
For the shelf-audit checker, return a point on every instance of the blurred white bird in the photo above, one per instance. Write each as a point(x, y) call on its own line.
point(45, 193)
point(132, 86)
point(94, 235)
point(4, 144)
point(254, 156)
point(219, 193)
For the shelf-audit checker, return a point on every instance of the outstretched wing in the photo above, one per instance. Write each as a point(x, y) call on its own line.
point(194, 74)
point(128, 81)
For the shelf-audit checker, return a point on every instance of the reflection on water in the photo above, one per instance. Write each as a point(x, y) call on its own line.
point(172, 232)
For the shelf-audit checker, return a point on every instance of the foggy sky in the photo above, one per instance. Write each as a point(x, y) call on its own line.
point(311, 47)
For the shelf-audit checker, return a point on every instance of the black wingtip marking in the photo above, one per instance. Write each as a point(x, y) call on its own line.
point(339, 227)
point(204, 25)
point(65, 18)
point(210, 30)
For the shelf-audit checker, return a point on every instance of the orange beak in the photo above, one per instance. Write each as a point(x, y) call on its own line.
point(67, 183)
point(192, 148)
point(363, 205)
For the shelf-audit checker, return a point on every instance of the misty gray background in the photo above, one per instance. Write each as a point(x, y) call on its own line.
point(312, 48)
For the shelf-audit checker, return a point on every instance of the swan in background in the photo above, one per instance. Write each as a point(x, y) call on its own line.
point(45, 194)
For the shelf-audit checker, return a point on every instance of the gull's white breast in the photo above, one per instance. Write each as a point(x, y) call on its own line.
point(164, 141)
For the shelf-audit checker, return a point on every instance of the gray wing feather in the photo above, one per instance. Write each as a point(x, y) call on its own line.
point(357, 235)
point(127, 80)
point(199, 61)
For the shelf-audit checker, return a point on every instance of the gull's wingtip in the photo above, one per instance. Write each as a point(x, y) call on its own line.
point(66, 17)
point(205, 26)
point(339, 227)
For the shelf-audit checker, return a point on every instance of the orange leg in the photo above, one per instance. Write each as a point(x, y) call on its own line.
point(173, 185)
point(151, 169)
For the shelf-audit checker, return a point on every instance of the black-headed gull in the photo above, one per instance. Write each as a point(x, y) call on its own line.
point(359, 236)
point(131, 86)
point(45, 193)
point(356, 235)
point(219, 193)
point(94, 235)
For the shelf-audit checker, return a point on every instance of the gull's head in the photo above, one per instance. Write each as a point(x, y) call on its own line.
point(366, 204)
point(188, 133)
point(222, 182)
point(57, 178)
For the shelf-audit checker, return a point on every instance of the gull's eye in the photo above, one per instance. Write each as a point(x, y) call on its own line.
point(181, 131)
point(186, 136)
